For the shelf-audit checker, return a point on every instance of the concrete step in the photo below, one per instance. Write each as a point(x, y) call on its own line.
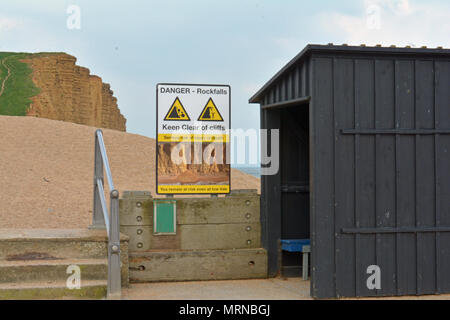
point(90, 289)
point(189, 265)
point(52, 244)
point(45, 254)
point(51, 270)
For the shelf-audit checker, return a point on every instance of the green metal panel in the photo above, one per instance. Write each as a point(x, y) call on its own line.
point(164, 217)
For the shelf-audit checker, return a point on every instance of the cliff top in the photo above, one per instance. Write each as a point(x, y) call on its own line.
point(16, 85)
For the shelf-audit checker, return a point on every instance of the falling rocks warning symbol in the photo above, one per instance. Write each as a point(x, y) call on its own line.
point(210, 112)
point(177, 112)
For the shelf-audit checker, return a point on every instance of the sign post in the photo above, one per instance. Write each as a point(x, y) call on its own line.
point(192, 129)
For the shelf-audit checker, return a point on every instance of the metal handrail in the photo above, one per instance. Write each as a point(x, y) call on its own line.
point(101, 192)
point(101, 143)
point(102, 220)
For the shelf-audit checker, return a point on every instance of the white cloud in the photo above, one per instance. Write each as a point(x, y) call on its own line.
point(43, 6)
point(9, 24)
point(388, 22)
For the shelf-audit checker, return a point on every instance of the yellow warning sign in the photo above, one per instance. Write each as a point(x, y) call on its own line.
point(192, 189)
point(210, 112)
point(177, 112)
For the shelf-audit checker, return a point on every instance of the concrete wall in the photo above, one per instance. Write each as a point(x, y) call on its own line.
point(216, 238)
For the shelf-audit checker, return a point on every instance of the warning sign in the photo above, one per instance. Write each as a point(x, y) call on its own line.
point(210, 112)
point(192, 153)
point(177, 112)
point(193, 112)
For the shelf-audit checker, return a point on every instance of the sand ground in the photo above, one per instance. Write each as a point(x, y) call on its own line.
point(254, 289)
point(47, 166)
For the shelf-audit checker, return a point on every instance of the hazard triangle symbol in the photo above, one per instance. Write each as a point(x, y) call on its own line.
point(210, 112)
point(177, 112)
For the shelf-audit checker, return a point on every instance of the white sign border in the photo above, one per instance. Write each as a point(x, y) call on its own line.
point(157, 125)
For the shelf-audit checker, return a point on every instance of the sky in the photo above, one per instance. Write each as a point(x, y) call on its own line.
point(135, 44)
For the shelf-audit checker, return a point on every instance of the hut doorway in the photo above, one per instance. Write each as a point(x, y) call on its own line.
point(294, 171)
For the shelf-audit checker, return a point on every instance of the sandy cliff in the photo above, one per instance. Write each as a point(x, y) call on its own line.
point(70, 93)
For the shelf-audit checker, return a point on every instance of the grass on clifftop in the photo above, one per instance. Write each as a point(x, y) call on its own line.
point(19, 87)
